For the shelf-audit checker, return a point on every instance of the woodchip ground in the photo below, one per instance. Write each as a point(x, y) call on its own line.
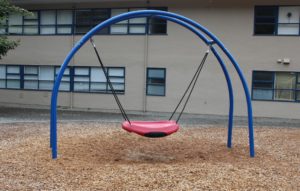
point(101, 156)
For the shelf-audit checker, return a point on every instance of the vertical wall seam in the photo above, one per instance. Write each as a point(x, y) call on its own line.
point(146, 56)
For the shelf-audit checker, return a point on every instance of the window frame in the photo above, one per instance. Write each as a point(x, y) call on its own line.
point(73, 25)
point(71, 76)
point(21, 71)
point(295, 90)
point(91, 17)
point(4, 78)
point(37, 25)
point(19, 25)
point(276, 21)
point(37, 75)
point(280, 23)
point(52, 81)
point(4, 26)
point(82, 75)
point(107, 91)
point(148, 83)
point(64, 75)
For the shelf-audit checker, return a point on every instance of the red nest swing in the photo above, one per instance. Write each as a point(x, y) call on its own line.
point(153, 129)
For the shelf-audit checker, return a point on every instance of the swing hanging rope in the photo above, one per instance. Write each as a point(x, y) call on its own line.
point(191, 84)
point(126, 118)
point(189, 89)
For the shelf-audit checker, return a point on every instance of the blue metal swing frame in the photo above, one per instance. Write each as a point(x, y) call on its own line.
point(206, 36)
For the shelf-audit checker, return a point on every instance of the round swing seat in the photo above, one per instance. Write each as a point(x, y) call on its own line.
point(153, 129)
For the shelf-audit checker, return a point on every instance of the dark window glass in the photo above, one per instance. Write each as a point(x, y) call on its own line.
point(265, 20)
point(265, 29)
point(263, 76)
point(263, 85)
point(265, 11)
point(87, 19)
point(156, 25)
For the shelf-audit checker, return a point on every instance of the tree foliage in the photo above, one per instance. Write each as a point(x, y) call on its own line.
point(5, 9)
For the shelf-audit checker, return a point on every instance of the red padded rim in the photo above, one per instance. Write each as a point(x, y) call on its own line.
point(145, 128)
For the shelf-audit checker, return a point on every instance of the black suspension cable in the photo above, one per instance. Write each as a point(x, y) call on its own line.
point(126, 118)
point(201, 66)
point(187, 89)
point(192, 82)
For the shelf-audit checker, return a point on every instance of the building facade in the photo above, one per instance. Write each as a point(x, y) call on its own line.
point(150, 61)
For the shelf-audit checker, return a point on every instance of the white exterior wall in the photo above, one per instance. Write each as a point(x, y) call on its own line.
point(179, 52)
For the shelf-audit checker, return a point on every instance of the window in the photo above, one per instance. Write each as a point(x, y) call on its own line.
point(92, 79)
point(277, 20)
point(263, 85)
point(64, 21)
point(3, 26)
point(131, 26)
point(87, 19)
point(138, 25)
point(46, 77)
point(288, 20)
point(285, 83)
point(61, 22)
point(56, 22)
point(15, 24)
point(31, 77)
point(279, 86)
point(2, 76)
point(117, 79)
point(265, 20)
point(156, 25)
point(30, 24)
point(156, 81)
point(120, 27)
point(81, 79)
point(66, 79)
point(48, 21)
point(13, 77)
point(298, 88)
point(98, 80)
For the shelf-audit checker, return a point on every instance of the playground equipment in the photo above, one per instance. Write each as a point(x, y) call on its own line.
point(159, 128)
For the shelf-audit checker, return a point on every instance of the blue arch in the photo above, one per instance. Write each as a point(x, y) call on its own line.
point(189, 24)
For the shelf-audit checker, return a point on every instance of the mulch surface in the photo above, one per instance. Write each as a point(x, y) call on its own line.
point(101, 156)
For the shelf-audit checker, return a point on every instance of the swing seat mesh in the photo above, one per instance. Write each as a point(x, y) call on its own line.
point(152, 129)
